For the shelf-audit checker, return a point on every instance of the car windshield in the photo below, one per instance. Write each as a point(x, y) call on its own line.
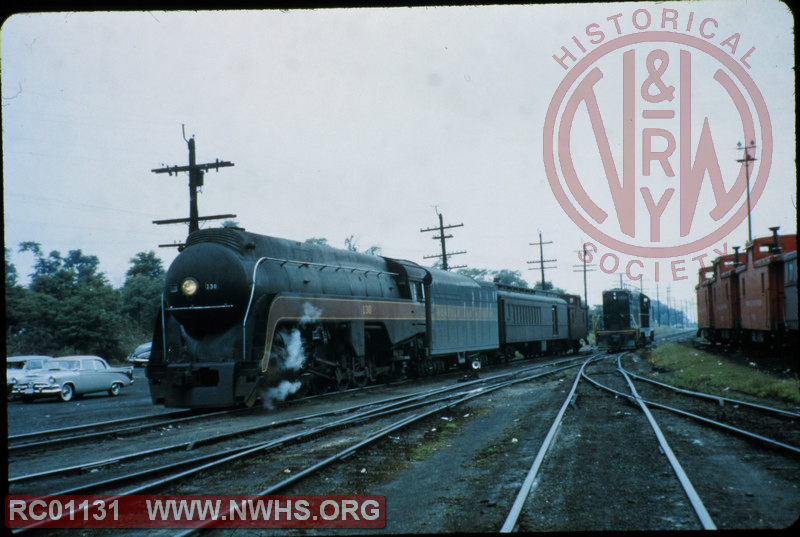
point(61, 366)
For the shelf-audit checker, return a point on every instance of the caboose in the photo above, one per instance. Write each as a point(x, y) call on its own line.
point(761, 283)
point(751, 299)
point(718, 301)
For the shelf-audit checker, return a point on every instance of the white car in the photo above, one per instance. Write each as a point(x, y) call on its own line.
point(19, 366)
point(69, 376)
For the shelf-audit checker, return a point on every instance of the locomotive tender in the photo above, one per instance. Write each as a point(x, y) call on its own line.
point(751, 300)
point(626, 321)
point(244, 313)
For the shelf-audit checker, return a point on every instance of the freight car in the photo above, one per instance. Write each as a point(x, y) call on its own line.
point(246, 316)
point(751, 300)
point(625, 321)
point(790, 288)
point(718, 301)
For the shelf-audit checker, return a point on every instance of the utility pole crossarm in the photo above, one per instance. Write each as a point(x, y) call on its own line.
point(202, 167)
point(196, 172)
point(440, 228)
point(542, 260)
point(199, 218)
point(442, 237)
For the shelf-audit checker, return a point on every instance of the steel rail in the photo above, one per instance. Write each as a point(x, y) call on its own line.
point(694, 498)
point(721, 399)
point(707, 421)
point(522, 495)
point(232, 455)
point(386, 406)
point(343, 454)
point(108, 432)
point(71, 430)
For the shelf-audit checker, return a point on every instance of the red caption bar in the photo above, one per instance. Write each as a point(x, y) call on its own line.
point(196, 511)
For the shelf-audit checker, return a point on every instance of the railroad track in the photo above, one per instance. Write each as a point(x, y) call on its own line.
point(184, 453)
point(315, 446)
point(348, 429)
point(574, 460)
point(82, 434)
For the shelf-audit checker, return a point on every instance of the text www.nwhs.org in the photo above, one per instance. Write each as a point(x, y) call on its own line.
point(184, 511)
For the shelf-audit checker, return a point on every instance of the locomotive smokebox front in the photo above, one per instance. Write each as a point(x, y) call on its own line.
point(207, 288)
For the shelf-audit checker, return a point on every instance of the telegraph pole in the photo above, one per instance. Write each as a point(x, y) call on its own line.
point(442, 237)
point(542, 260)
point(196, 172)
point(658, 306)
point(747, 160)
point(584, 268)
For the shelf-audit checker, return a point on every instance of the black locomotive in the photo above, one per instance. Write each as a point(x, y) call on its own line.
point(243, 314)
point(625, 322)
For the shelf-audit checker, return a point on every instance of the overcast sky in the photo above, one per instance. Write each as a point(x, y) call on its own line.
point(359, 122)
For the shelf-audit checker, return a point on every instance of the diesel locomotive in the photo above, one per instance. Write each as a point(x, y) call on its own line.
point(625, 321)
point(245, 316)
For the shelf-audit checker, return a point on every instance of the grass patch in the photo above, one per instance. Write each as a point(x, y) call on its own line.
point(696, 370)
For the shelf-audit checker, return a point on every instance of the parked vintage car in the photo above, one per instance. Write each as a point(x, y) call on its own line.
point(19, 366)
point(69, 376)
point(141, 355)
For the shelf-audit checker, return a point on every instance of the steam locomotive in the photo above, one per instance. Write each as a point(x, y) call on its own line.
point(751, 300)
point(245, 316)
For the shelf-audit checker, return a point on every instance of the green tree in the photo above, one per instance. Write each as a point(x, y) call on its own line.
point(504, 276)
point(146, 264)
point(141, 295)
point(68, 308)
point(351, 244)
point(548, 286)
point(14, 295)
point(11, 271)
point(509, 277)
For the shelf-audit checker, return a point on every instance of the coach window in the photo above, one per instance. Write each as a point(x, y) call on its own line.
point(555, 321)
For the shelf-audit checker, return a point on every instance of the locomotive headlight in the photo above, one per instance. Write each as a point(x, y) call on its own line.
point(189, 286)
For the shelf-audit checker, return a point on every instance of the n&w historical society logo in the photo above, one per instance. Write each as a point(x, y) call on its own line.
point(640, 137)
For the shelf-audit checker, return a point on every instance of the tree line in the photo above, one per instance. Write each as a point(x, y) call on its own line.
point(70, 307)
